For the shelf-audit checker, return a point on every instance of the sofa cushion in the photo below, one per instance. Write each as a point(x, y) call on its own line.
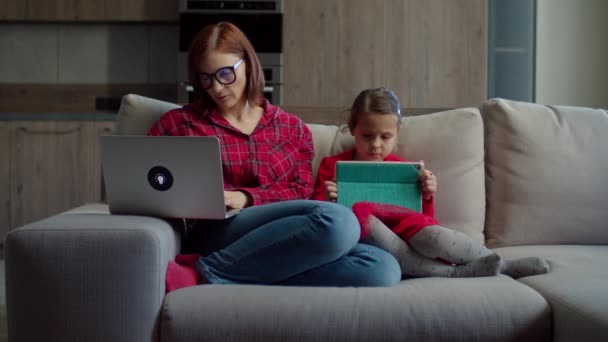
point(425, 309)
point(138, 113)
point(323, 137)
point(547, 170)
point(451, 145)
point(575, 288)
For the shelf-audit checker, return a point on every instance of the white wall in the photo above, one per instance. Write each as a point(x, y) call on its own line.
point(572, 55)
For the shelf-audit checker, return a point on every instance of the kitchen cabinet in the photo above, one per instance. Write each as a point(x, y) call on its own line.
point(52, 166)
point(90, 10)
point(162, 10)
point(12, 10)
point(48, 10)
point(141, 10)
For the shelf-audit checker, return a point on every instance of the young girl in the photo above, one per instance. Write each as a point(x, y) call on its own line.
point(423, 247)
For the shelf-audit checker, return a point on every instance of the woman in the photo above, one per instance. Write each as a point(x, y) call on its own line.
point(279, 237)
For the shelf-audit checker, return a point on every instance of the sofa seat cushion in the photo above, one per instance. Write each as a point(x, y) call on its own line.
point(425, 309)
point(576, 288)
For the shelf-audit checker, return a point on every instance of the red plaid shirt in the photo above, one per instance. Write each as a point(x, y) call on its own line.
point(273, 163)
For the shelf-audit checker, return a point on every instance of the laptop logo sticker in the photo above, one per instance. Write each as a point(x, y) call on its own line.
point(160, 178)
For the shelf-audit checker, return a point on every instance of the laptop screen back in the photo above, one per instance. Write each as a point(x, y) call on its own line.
point(163, 176)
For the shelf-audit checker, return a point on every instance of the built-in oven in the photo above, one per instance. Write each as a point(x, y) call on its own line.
point(260, 20)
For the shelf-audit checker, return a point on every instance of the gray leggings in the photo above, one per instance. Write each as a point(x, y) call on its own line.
point(418, 257)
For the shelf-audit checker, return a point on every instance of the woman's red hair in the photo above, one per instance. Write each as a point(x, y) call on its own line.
point(227, 38)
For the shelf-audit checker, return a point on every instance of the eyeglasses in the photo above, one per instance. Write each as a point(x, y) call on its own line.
point(225, 76)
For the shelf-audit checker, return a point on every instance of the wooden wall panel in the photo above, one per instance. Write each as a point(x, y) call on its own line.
point(440, 56)
point(433, 53)
point(309, 39)
point(360, 47)
point(326, 43)
point(339, 115)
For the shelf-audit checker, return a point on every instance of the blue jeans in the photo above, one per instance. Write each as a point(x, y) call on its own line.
point(299, 242)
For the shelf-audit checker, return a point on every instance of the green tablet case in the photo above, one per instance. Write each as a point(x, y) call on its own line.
point(380, 182)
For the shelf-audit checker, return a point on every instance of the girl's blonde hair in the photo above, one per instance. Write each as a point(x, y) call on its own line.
point(376, 100)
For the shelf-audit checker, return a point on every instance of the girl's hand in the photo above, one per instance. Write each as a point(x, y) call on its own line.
point(331, 191)
point(428, 183)
point(236, 199)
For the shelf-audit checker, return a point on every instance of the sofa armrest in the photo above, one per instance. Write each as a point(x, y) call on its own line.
point(87, 277)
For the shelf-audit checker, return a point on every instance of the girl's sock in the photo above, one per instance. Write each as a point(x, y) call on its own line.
point(488, 265)
point(525, 267)
point(438, 242)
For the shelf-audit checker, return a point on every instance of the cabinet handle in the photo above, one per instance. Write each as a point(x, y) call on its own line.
point(49, 131)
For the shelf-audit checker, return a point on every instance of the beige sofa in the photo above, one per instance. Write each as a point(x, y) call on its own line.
point(526, 179)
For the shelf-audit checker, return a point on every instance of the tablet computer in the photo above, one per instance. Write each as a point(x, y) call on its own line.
point(381, 182)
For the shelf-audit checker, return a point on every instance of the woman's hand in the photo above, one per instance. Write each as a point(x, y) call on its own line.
point(236, 199)
point(428, 183)
point(331, 191)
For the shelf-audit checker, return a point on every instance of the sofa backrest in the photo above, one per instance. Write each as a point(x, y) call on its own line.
point(137, 114)
point(547, 170)
point(324, 137)
point(450, 143)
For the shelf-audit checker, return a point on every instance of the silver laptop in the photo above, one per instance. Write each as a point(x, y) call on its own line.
point(164, 176)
